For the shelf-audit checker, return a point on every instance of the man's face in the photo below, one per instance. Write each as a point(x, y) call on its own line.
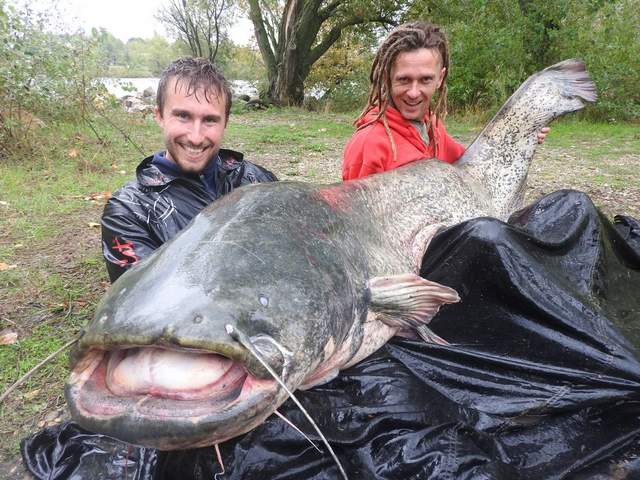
point(415, 76)
point(192, 126)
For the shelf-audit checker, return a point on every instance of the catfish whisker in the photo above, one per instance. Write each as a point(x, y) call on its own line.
point(240, 337)
point(219, 456)
point(288, 422)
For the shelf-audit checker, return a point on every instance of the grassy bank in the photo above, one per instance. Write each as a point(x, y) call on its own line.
point(51, 269)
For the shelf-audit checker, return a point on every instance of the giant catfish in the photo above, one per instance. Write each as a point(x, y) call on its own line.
point(316, 277)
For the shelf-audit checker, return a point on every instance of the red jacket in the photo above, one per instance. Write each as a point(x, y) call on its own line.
point(369, 150)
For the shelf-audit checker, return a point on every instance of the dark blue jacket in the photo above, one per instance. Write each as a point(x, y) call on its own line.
point(161, 201)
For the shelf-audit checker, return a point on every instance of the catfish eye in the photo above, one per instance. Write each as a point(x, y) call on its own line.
point(264, 300)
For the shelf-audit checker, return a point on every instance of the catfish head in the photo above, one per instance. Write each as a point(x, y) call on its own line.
point(157, 366)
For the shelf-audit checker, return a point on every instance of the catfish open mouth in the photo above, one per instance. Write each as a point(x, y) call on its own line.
point(162, 384)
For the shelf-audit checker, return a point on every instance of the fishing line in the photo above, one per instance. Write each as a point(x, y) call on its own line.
point(240, 337)
point(27, 375)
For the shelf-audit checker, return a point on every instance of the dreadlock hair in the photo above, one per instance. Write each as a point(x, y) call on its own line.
point(197, 74)
point(405, 38)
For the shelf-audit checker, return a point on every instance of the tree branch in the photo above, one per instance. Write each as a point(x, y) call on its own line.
point(330, 38)
point(328, 10)
point(262, 37)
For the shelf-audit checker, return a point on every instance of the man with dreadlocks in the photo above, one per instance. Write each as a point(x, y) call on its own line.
point(398, 125)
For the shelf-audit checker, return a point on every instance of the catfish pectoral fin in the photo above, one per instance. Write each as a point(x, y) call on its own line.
point(407, 300)
point(429, 336)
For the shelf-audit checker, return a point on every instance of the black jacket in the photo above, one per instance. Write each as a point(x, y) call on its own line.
point(151, 209)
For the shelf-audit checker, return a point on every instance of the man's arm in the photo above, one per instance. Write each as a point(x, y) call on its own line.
point(365, 154)
point(126, 238)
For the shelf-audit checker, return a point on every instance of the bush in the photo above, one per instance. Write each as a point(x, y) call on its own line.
point(608, 40)
point(44, 77)
point(339, 81)
point(496, 45)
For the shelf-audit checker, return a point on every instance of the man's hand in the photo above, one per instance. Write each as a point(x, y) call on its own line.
point(543, 133)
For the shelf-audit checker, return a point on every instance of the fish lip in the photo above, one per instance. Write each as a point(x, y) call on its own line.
point(166, 423)
point(231, 350)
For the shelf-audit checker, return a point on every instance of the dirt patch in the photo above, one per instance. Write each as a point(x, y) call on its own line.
point(611, 183)
point(60, 255)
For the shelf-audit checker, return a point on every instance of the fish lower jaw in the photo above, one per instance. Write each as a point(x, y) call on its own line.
point(103, 397)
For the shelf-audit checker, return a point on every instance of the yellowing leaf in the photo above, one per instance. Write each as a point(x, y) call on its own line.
point(99, 196)
point(73, 153)
point(32, 394)
point(93, 225)
point(6, 266)
point(7, 337)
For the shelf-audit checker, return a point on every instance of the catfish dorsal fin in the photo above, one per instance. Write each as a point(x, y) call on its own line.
point(409, 301)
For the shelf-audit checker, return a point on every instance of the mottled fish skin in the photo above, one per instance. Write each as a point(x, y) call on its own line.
point(500, 156)
point(294, 266)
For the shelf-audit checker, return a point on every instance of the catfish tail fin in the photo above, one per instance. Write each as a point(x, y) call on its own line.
point(500, 156)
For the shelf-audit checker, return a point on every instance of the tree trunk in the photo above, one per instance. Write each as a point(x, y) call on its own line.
point(287, 87)
point(298, 44)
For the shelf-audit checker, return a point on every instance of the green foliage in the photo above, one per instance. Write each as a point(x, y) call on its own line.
point(44, 77)
point(148, 57)
point(487, 59)
point(110, 50)
point(342, 74)
point(242, 63)
point(496, 45)
point(137, 57)
point(607, 37)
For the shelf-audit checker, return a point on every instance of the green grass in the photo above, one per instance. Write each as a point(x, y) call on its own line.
point(293, 131)
point(68, 164)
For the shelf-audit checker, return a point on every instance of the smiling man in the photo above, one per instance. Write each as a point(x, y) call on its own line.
point(173, 186)
point(399, 124)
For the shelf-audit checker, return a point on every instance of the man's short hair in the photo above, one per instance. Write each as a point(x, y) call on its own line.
point(197, 74)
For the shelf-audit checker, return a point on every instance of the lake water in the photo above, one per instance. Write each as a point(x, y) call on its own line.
point(121, 87)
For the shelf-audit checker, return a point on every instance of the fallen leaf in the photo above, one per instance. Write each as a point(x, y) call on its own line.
point(18, 245)
point(32, 394)
point(7, 337)
point(73, 153)
point(4, 204)
point(99, 196)
point(93, 225)
point(6, 266)
point(123, 172)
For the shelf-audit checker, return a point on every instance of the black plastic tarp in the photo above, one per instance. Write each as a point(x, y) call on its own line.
point(541, 380)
